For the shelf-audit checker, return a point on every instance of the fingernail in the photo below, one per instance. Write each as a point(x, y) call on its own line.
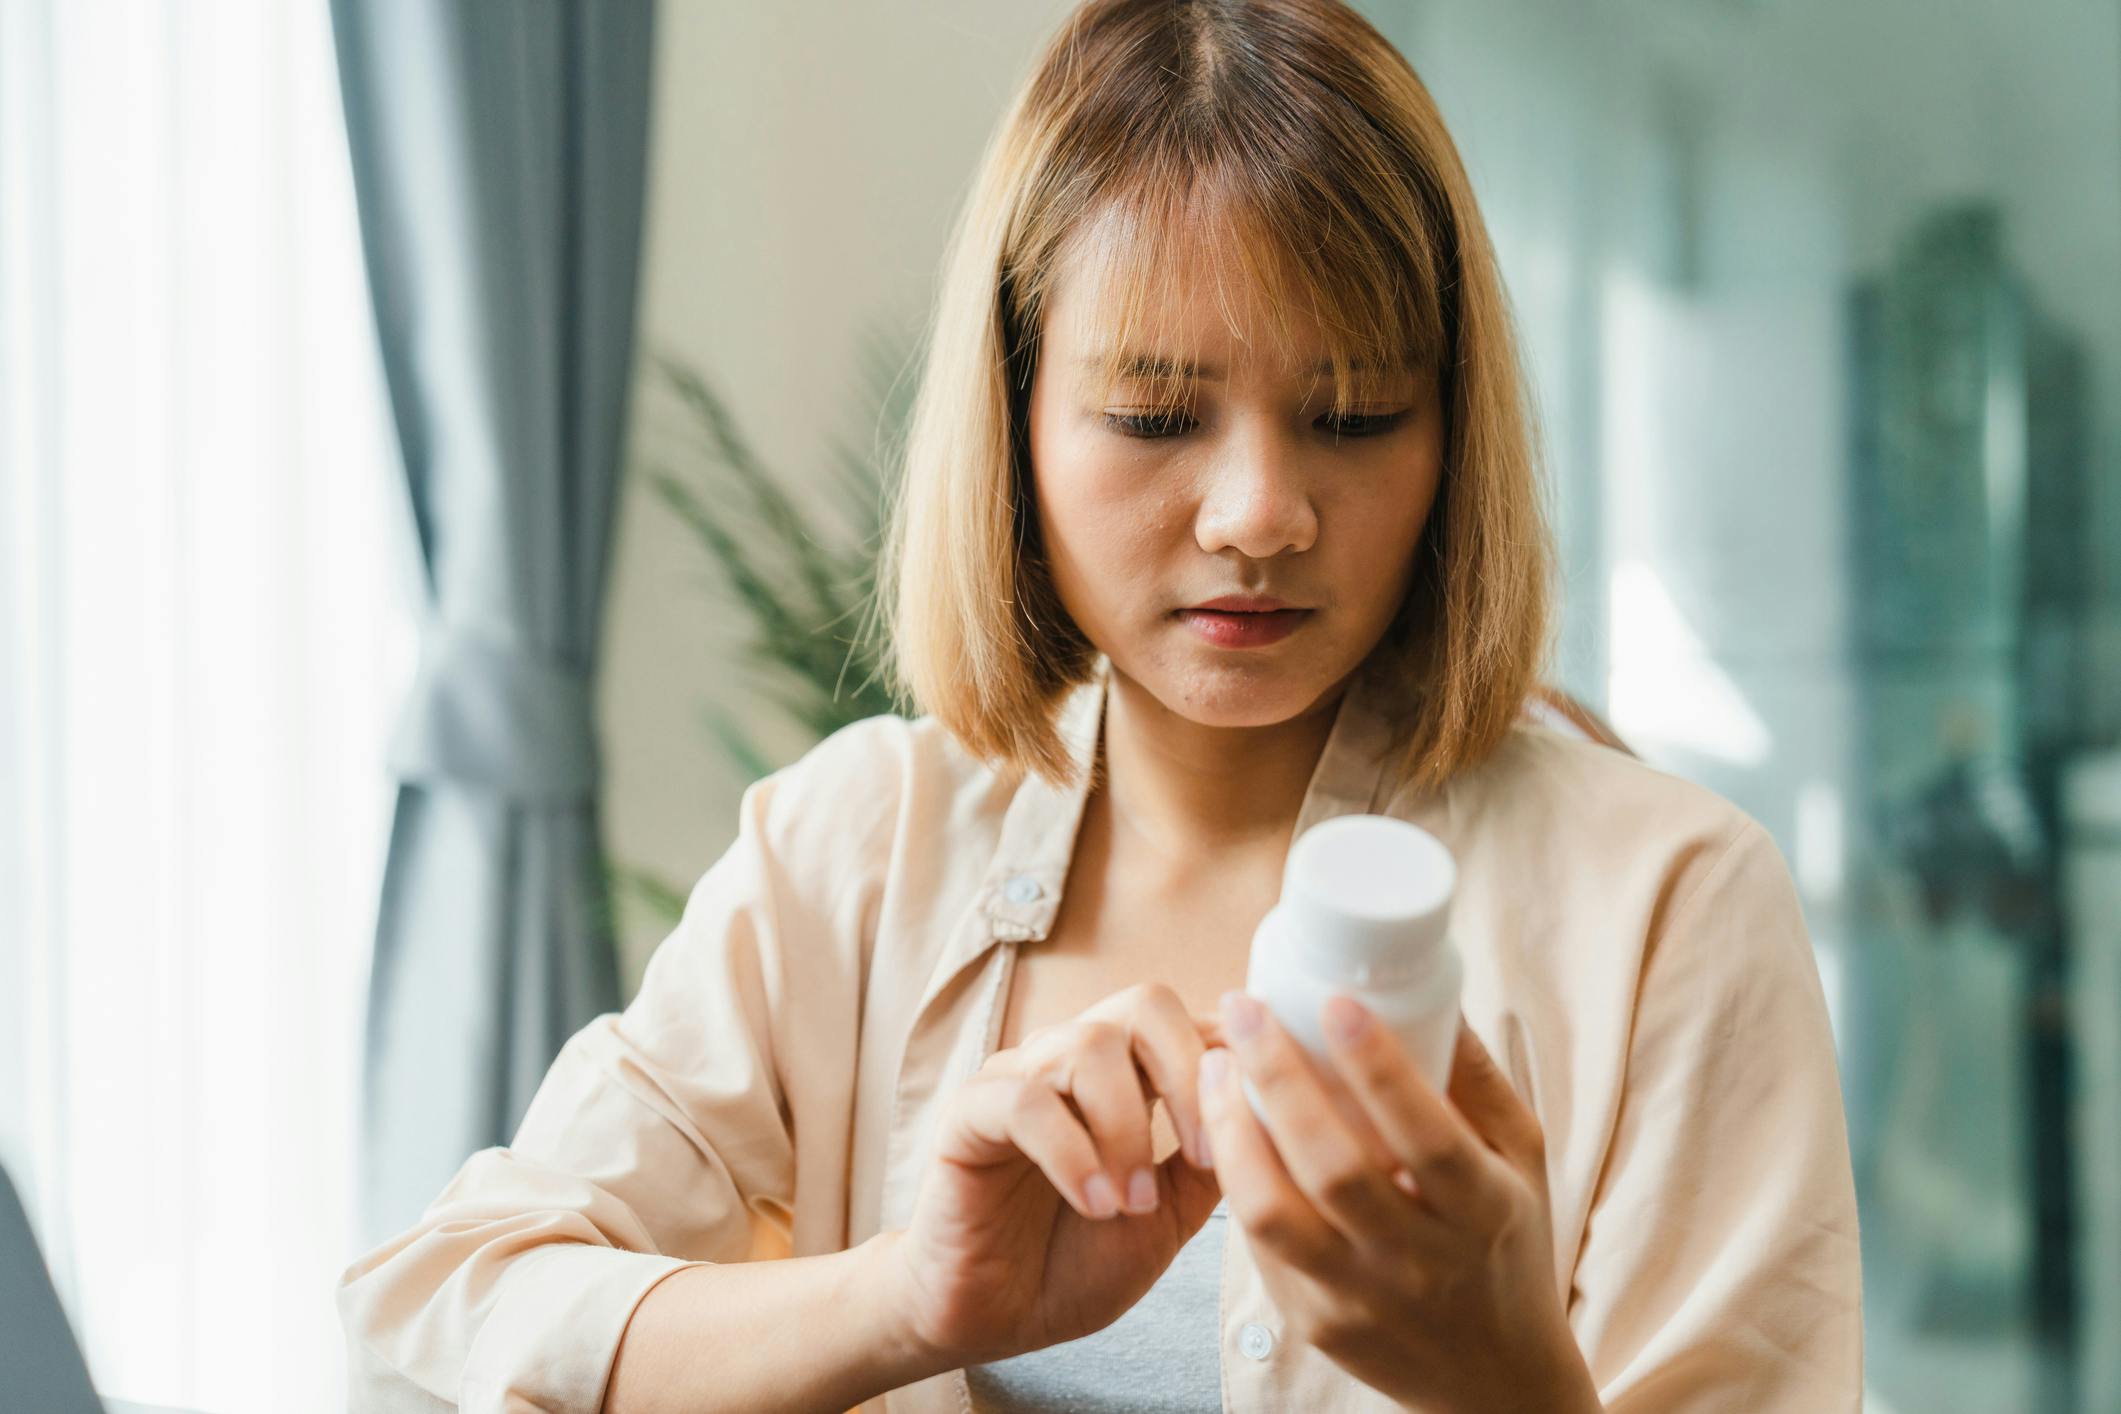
point(1141, 1192)
point(1241, 1016)
point(1101, 1196)
point(1403, 1180)
point(1203, 1156)
point(1214, 1074)
point(1346, 1018)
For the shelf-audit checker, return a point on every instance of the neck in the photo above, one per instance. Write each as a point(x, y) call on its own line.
point(1181, 790)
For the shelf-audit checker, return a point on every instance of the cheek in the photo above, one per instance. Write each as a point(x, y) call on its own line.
point(1102, 512)
point(1379, 522)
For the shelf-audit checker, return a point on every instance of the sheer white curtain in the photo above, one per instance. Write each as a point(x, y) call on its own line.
point(204, 627)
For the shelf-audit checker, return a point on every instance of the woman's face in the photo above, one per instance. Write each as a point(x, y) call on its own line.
point(1251, 489)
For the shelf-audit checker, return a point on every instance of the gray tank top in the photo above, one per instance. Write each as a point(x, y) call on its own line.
point(1163, 1356)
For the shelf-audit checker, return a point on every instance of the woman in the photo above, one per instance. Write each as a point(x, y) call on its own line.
point(1218, 518)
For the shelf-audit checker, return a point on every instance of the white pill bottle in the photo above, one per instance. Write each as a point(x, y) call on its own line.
point(1364, 904)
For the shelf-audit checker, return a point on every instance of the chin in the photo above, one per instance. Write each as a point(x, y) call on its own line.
point(1252, 688)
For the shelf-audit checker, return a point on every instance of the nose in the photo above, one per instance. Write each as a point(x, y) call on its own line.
point(1254, 499)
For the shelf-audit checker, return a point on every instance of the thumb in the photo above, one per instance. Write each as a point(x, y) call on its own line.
point(1484, 1095)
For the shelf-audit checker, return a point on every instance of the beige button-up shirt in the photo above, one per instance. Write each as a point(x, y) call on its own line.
point(1635, 958)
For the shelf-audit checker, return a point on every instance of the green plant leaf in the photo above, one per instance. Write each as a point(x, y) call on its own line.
point(805, 586)
point(662, 899)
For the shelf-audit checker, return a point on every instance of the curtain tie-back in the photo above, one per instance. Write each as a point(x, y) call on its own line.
point(490, 714)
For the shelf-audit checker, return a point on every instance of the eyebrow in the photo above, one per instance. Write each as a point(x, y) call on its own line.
point(1156, 366)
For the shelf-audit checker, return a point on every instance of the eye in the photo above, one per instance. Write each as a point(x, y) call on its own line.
point(1154, 425)
point(1148, 425)
point(1361, 424)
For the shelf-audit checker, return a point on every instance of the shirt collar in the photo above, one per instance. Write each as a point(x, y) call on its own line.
point(1021, 891)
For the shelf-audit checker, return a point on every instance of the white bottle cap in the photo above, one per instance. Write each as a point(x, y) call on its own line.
point(1369, 893)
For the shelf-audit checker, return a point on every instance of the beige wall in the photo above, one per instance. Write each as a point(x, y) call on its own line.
point(807, 158)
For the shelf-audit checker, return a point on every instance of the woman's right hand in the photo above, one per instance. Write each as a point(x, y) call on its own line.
point(1043, 1216)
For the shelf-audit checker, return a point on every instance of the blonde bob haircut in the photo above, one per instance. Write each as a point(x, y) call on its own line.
point(1306, 144)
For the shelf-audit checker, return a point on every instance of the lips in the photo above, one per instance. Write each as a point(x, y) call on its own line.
point(1244, 604)
point(1243, 628)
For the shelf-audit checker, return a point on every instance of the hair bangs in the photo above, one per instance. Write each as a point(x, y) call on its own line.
point(1270, 257)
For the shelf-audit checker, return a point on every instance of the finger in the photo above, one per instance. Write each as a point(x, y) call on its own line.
point(1168, 1047)
point(1329, 1160)
point(1105, 1085)
point(1261, 1194)
point(1092, 1061)
point(1450, 1165)
point(1484, 1095)
point(1002, 1118)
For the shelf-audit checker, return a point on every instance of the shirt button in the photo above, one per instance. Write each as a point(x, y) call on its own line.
point(1023, 889)
point(1256, 1340)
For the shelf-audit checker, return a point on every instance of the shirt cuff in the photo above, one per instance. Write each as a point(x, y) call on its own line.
point(549, 1340)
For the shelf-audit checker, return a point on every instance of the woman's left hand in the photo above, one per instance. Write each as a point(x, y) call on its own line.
point(1414, 1250)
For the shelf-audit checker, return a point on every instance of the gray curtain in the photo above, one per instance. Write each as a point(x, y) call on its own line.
point(498, 154)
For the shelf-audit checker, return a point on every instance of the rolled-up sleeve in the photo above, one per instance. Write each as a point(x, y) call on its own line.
point(1720, 1268)
point(653, 1140)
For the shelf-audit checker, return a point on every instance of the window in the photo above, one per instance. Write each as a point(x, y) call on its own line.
point(205, 622)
